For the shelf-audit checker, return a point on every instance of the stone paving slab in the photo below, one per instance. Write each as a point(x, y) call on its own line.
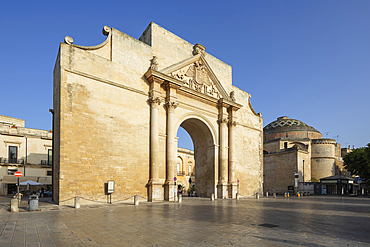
point(306, 221)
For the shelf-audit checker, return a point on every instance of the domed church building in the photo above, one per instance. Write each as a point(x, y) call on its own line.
point(294, 153)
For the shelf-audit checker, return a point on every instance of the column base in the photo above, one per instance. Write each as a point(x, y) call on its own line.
point(155, 191)
point(170, 192)
point(222, 191)
point(233, 189)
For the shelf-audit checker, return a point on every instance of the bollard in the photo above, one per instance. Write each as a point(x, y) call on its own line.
point(77, 202)
point(212, 197)
point(180, 198)
point(285, 195)
point(14, 206)
point(274, 195)
point(299, 194)
point(33, 203)
point(267, 194)
point(237, 196)
point(257, 195)
point(136, 200)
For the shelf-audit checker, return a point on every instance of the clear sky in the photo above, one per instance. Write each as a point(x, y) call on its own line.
point(309, 60)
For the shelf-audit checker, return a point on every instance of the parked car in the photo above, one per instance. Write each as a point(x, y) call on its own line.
point(48, 193)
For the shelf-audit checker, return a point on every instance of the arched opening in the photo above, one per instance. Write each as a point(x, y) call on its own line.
point(203, 171)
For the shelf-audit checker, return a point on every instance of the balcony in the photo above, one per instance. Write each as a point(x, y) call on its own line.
point(11, 161)
point(45, 163)
point(180, 173)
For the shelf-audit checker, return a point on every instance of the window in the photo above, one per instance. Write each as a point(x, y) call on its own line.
point(178, 168)
point(48, 173)
point(11, 171)
point(50, 157)
point(13, 154)
point(285, 145)
point(189, 170)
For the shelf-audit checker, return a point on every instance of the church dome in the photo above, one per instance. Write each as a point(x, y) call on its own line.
point(286, 124)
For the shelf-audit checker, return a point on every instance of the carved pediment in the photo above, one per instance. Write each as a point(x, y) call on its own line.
point(197, 75)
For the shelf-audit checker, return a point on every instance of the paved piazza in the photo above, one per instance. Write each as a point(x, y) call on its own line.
point(305, 221)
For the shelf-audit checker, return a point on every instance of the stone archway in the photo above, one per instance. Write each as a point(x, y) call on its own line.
point(117, 107)
point(204, 155)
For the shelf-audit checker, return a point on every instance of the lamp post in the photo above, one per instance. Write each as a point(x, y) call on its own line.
point(25, 161)
point(52, 152)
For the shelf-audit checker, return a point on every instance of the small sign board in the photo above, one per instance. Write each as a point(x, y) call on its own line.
point(110, 186)
point(18, 174)
point(175, 178)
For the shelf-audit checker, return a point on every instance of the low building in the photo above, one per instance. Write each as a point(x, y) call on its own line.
point(295, 154)
point(26, 150)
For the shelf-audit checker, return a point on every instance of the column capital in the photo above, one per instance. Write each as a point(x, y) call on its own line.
point(155, 101)
point(232, 123)
point(222, 120)
point(171, 105)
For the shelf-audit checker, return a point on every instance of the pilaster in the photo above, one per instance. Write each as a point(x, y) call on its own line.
point(171, 105)
point(223, 151)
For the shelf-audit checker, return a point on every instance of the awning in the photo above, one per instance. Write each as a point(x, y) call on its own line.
point(30, 182)
point(11, 179)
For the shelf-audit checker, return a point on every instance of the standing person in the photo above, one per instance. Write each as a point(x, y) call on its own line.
point(42, 192)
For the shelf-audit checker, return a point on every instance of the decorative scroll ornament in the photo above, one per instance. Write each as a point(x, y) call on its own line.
point(106, 30)
point(68, 40)
point(154, 63)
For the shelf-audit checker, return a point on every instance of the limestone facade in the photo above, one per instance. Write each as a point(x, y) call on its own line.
point(23, 149)
point(117, 109)
point(291, 146)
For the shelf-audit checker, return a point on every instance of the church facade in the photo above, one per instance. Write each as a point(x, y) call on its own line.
point(117, 109)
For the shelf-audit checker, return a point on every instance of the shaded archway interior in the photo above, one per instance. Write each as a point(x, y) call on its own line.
point(204, 155)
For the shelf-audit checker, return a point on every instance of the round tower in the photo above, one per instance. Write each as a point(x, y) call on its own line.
point(322, 158)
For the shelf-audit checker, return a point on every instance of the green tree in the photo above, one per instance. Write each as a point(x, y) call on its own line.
point(358, 162)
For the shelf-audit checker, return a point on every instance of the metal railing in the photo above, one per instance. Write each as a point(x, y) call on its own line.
point(45, 162)
point(11, 161)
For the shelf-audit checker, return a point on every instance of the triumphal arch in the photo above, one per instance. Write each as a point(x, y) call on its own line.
point(117, 109)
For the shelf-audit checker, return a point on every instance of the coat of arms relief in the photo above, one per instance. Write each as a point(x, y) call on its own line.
point(195, 76)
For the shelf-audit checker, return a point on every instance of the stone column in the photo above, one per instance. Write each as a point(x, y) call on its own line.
point(171, 151)
point(155, 188)
point(232, 182)
point(222, 184)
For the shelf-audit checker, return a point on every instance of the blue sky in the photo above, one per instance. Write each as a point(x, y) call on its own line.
point(309, 60)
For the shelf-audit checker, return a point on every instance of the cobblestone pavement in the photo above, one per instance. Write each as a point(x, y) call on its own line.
point(305, 221)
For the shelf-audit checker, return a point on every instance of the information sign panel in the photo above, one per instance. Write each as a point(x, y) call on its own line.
point(110, 186)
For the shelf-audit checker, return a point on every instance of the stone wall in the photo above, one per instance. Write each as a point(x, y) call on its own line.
point(279, 169)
